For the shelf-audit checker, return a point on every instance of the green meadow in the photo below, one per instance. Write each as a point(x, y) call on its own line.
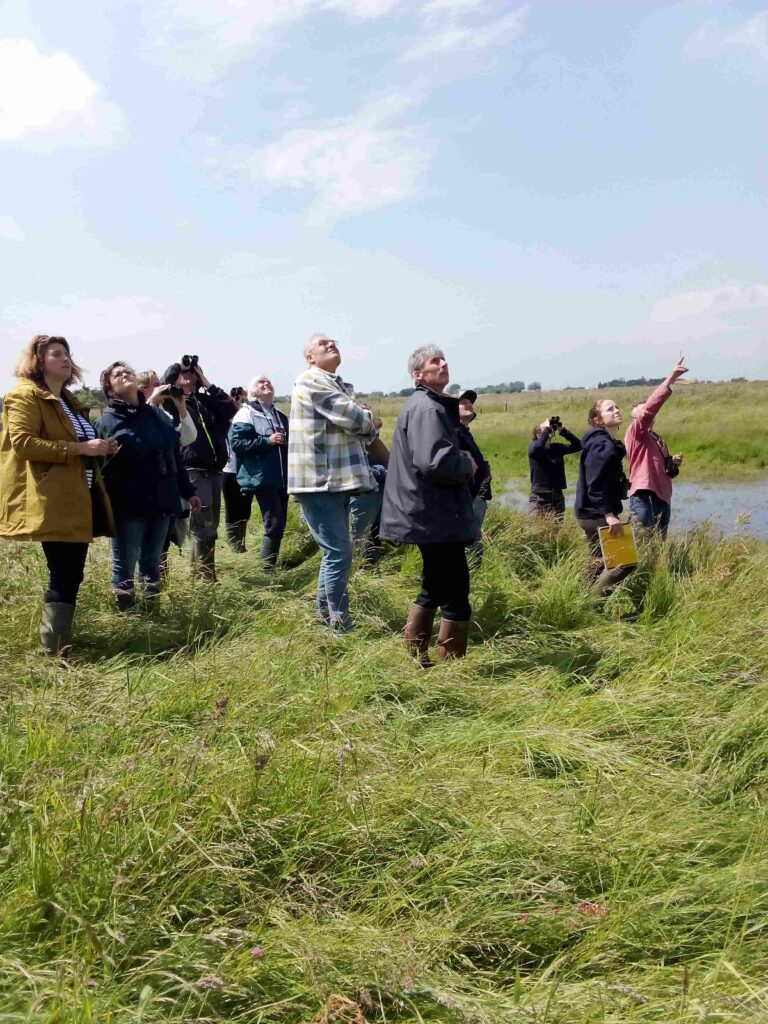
point(720, 428)
point(218, 812)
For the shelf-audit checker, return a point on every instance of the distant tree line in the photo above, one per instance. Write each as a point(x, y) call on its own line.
point(621, 382)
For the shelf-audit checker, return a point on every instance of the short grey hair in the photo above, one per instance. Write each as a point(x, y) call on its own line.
point(254, 381)
point(417, 359)
point(315, 337)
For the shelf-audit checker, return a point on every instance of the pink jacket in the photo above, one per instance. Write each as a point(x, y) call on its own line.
point(646, 457)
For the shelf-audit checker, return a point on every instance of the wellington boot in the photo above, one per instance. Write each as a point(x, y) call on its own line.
point(270, 549)
point(203, 560)
point(236, 536)
point(452, 639)
point(125, 600)
point(418, 633)
point(56, 628)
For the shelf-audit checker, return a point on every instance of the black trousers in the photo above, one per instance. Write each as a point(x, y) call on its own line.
point(66, 568)
point(542, 503)
point(273, 502)
point(237, 505)
point(445, 580)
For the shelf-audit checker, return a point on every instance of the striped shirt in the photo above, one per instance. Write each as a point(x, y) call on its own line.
point(84, 430)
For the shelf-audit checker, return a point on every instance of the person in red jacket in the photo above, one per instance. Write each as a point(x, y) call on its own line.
point(651, 467)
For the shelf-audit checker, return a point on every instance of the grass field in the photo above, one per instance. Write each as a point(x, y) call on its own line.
point(218, 812)
point(719, 427)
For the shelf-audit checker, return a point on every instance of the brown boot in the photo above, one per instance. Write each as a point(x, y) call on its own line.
point(418, 633)
point(452, 639)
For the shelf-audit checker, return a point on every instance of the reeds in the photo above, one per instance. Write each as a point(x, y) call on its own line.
point(221, 813)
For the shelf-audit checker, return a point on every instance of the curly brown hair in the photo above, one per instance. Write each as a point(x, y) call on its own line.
point(29, 365)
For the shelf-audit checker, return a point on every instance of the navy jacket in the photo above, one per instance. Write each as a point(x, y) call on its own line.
point(259, 463)
point(602, 482)
point(481, 482)
point(426, 495)
point(144, 478)
point(546, 462)
point(211, 411)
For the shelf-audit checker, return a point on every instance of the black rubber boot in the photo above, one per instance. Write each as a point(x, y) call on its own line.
point(125, 600)
point(270, 549)
point(203, 559)
point(236, 536)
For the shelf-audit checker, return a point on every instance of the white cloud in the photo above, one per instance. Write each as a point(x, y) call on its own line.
point(467, 26)
point(50, 95)
point(732, 299)
point(9, 229)
point(201, 38)
point(748, 38)
point(350, 164)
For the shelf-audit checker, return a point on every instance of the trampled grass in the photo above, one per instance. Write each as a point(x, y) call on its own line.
point(220, 813)
point(719, 427)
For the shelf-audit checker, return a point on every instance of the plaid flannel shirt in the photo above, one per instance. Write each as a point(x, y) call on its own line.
point(327, 435)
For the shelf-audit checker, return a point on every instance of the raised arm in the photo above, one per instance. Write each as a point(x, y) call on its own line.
point(650, 407)
point(344, 412)
point(574, 444)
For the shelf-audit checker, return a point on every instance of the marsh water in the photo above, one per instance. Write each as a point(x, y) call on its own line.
point(730, 507)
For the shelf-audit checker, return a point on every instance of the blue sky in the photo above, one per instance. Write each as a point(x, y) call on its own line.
point(560, 192)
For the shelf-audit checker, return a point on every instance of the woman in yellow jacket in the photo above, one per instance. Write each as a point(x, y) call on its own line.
point(50, 483)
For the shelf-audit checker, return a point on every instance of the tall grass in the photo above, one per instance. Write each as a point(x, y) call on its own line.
point(221, 813)
point(719, 427)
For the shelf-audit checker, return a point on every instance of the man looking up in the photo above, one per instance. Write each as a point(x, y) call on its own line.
point(427, 502)
point(327, 464)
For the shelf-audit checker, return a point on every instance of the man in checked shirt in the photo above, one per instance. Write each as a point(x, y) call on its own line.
point(327, 463)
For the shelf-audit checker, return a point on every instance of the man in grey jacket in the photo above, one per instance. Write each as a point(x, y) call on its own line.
point(427, 502)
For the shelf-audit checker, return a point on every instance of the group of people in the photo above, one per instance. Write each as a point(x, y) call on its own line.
point(168, 449)
point(603, 485)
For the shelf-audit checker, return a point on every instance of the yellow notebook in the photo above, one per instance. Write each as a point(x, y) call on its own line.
point(618, 551)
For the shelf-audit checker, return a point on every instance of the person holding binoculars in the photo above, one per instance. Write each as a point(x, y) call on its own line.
point(546, 461)
point(211, 410)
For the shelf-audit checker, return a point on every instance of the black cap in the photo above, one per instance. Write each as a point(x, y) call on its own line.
point(471, 395)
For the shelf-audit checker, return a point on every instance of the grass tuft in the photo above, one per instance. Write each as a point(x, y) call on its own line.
point(218, 812)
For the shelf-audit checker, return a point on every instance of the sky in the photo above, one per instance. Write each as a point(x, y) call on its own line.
point(556, 191)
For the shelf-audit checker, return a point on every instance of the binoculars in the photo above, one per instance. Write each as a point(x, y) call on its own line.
point(189, 362)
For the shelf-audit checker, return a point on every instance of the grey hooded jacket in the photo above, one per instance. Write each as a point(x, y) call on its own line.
point(426, 496)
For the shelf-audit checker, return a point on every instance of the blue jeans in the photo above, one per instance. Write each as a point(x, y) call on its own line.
point(364, 511)
point(327, 516)
point(479, 508)
point(142, 541)
point(650, 511)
